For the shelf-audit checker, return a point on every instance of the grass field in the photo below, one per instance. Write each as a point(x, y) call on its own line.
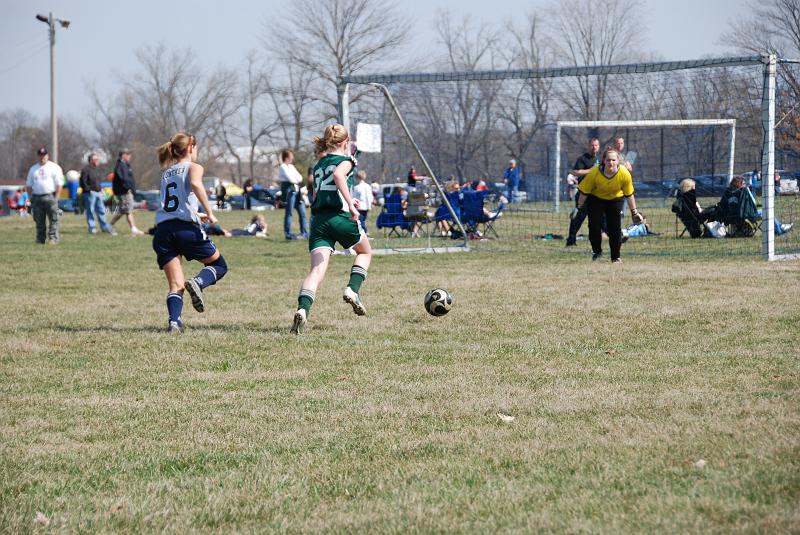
point(659, 395)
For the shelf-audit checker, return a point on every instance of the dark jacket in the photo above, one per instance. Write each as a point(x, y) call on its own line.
point(123, 179)
point(91, 177)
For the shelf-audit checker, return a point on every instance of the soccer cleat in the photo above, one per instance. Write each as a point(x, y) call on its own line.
point(351, 297)
point(175, 327)
point(299, 322)
point(786, 227)
point(616, 261)
point(196, 293)
point(596, 256)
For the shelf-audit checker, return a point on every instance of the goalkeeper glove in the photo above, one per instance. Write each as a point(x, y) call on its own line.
point(637, 216)
point(580, 210)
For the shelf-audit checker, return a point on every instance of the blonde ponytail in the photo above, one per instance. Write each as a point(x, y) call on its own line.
point(176, 148)
point(333, 136)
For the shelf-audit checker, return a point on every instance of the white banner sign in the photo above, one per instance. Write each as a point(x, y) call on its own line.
point(368, 137)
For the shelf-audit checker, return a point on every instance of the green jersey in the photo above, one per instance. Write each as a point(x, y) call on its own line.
point(326, 195)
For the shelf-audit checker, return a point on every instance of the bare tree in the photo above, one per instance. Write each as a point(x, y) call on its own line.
point(771, 26)
point(292, 103)
point(114, 119)
point(334, 38)
point(173, 93)
point(595, 32)
point(18, 135)
point(170, 94)
point(525, 105)
point(470, 105)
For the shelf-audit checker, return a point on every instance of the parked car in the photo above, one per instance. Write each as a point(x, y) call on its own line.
point(260, 199)
point(648, 189)
point(147, 200)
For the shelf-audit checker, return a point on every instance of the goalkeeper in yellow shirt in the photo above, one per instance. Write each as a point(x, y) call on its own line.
point(601, 195)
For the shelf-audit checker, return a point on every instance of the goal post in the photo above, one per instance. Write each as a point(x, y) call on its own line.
point(559, 125)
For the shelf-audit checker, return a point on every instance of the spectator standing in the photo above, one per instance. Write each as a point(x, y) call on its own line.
point(412, 177)
point(44, 183)
point(248, 191)
point(90, 183)
point(362, 193)
point(23, 201)
point(583, 165)
point(511, 177)
point(601, 194)
point(221, 193)
point(123, 185)
point(619, 145)
point(754, 179)
point(290, 185)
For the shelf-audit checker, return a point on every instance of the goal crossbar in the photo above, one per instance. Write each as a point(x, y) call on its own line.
point(553, 72)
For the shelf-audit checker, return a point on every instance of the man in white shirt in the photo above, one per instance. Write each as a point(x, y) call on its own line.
point(362, 192)
point(290, 192)
point(44, 183)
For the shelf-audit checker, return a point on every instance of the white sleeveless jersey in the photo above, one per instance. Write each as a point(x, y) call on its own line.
point(178, 201)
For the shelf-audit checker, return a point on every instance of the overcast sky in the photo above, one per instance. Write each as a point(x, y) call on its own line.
point(104, 35)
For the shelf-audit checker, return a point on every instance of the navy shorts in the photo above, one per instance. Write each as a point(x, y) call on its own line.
point(180, 238)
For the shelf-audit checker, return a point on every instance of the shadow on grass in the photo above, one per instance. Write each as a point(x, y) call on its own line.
point(153, 329)
point(233, 328)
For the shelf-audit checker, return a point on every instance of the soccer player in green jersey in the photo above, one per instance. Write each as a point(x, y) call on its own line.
point(334, 218)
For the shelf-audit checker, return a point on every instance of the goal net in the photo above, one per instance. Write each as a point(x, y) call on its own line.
point(706, 120)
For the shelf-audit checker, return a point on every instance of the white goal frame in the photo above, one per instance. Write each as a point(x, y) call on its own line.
point(633, 124)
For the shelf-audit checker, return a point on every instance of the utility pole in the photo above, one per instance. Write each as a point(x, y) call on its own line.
point(51, 23)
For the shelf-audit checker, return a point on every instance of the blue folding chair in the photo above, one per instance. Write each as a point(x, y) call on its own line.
point(392, 216)
point(473, 215)
point(443, 214)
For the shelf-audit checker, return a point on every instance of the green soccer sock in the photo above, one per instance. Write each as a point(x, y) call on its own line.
point(357, 277)
point(305, 300)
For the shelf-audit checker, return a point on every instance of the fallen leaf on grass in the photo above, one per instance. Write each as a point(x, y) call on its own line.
point(700, 463)
point(505, 417)
point(117, 507)
point(41, 519)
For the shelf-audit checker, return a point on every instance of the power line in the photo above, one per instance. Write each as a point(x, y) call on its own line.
point(24, 59)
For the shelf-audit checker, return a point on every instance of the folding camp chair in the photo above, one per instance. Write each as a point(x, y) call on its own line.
point(417, 214)
point(739, 213)
point(473, 215)
point(392, 216)
point(685, 210)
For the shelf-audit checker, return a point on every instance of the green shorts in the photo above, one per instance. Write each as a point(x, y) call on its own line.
point(329, 227)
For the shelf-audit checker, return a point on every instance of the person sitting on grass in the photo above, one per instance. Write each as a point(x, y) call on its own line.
point(257, 228)
point(636, 230)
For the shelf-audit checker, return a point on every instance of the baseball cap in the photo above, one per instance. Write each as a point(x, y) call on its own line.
point(42, 151)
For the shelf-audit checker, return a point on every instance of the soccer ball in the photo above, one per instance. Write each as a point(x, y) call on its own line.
point(438, 302)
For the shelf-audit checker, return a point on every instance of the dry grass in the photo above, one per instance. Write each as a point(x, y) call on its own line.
point(620, 379)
